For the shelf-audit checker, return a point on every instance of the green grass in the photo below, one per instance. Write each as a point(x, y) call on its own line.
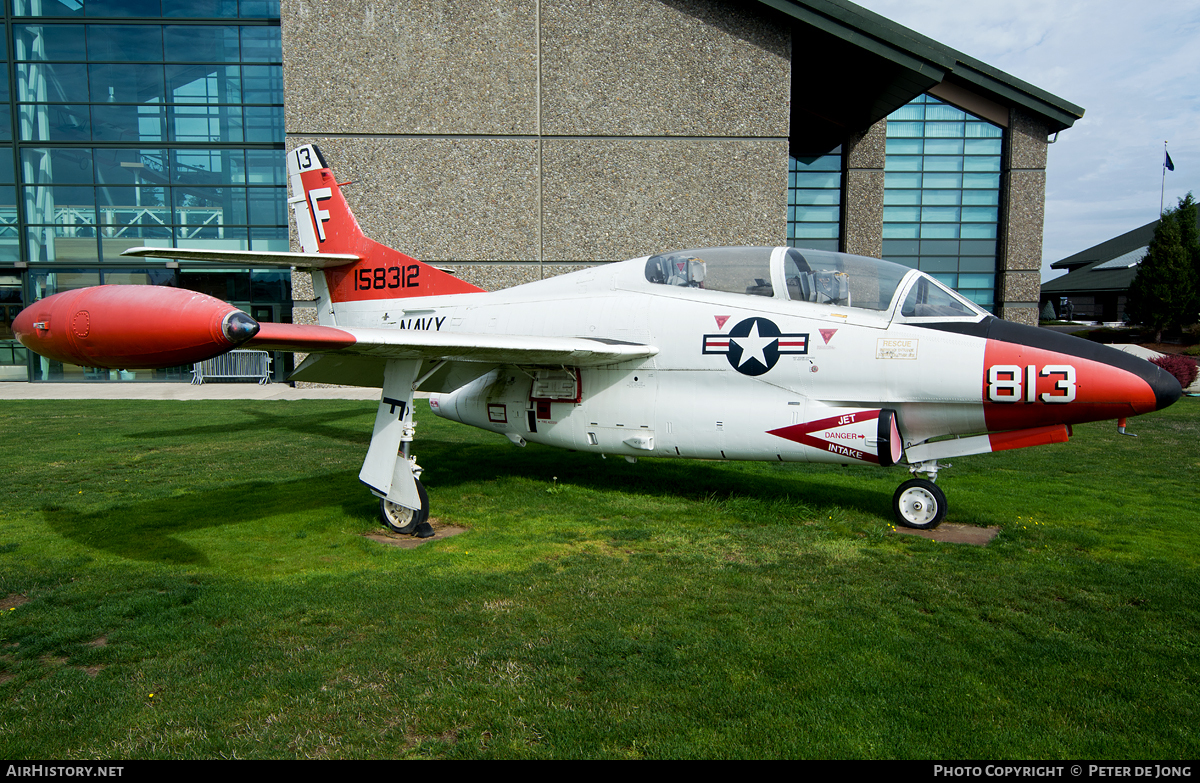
point(212, 554)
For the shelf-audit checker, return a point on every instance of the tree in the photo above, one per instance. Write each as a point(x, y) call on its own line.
point(1164, 292)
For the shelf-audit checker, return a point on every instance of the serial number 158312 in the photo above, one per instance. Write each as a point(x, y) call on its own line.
point(387, 277)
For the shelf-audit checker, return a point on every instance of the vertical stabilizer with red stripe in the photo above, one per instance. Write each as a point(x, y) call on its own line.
point(325, 224)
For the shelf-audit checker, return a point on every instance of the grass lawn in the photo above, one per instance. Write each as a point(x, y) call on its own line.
point(192, 580)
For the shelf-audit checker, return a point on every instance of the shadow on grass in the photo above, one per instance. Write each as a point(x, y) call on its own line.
point(319, 424)
point(148, 530)
point(451, 464)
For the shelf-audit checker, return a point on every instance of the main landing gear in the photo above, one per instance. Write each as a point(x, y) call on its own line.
point(407, 521)
point(919, 503)
point(389, 469)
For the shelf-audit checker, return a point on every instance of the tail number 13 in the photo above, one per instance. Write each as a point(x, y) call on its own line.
point(1013, 383)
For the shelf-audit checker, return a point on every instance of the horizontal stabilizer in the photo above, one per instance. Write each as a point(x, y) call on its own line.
point(247, 257)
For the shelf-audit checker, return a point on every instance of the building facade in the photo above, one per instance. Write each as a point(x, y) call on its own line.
point(508, 140)
point(138, 122)
point(511, 141)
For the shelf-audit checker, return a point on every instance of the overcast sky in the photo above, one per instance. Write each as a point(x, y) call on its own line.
point(1135, 69)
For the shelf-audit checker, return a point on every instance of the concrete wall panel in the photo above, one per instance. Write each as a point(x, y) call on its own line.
point(608, 200)
point(655, 67)
point(425, 66)
point(441, 200)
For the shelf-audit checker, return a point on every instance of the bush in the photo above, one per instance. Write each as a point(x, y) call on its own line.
point(1182, 367)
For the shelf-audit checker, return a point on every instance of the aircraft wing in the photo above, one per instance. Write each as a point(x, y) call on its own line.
point(246, 257)
point(356, 356)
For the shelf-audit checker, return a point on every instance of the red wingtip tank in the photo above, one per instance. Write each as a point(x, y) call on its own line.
point(132, 327)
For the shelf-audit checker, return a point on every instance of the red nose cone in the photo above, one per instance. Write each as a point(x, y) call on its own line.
point(132, 327)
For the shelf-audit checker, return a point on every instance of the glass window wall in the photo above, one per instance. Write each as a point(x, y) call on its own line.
point(942, 195)
point(139, 122)
point(815, 201)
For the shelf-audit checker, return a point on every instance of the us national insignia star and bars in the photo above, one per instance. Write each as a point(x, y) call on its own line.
point(753, 346)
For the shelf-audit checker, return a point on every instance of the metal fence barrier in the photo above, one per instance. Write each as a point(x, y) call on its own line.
point(235, 364)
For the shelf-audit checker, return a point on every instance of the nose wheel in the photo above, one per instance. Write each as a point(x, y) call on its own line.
point(919, 504)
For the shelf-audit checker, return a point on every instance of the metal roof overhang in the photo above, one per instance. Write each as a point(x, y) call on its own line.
point(852, 67)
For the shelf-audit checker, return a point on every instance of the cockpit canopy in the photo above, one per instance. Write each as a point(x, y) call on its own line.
point(816, 276)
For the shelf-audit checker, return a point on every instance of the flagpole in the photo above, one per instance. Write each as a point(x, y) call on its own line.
point(1163, 191)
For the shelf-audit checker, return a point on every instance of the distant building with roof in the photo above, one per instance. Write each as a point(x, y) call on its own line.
point(1098, 279)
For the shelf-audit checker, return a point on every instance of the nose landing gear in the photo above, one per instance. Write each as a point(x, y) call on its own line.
point(919, 504)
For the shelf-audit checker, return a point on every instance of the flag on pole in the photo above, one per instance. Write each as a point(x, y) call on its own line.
point(1168, 164)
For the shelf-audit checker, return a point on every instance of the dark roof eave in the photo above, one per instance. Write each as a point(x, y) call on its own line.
point(925, 56)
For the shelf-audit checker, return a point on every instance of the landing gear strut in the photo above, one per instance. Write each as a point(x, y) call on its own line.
point(389, 469)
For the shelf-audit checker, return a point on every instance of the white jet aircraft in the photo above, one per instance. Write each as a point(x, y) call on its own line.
point(736, 353)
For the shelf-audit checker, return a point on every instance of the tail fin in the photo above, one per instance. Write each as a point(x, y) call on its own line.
point(325, 224)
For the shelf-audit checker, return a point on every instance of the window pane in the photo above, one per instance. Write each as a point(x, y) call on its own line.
point(210, 207)
point(112, 83)
point(206, 123)
point(983, 146)
point(205, 84)
point(49, 42)
point(259, 9)
point(943, 146)
point(47, 8)
point(902, 163)
point(941, 197)
point(124, 42)
point(49, 244)
point(905, 129)
point(54, 123)
point(122, 7)
point(60, 166)
point(272, 239)
point(901, 214)
point(901, 197)
point(66, 205)
point(982, 163)
point(901, 230)
point(980, 215)
point(200, 43)
point(268, 206)
point(52, 82)
point(129, 123)
point(264, 123)
point(200, 9)
point(261, 45)
point(815, 197)
point(981, 181)
point(939, 214)
point(200, 167)
point(944, 112)
point(263, 83)
point(130, 206)
point(941, 181)
point(131, 167)
point(265, 167)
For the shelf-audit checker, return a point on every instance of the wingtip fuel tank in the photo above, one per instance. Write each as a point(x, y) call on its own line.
point(132, 327)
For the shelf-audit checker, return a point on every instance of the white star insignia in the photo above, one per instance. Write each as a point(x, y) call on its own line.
point(753, 345)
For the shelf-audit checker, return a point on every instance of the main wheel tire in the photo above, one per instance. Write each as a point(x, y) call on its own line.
point(399, 519)
point(919, 504)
